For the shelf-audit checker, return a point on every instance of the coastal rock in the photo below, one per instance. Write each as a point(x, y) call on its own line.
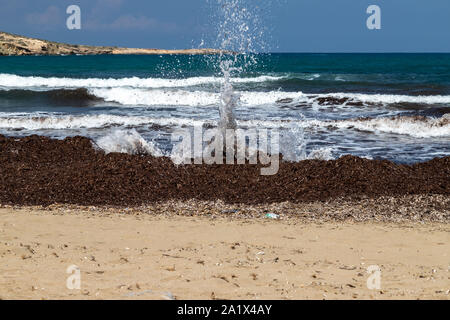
point(14, 45)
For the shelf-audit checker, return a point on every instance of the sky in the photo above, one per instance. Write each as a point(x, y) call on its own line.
point(289, 25)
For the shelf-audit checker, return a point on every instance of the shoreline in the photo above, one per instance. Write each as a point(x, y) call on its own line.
point(140, 256)
point(421, 209)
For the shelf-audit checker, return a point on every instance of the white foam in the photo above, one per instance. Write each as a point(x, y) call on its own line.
point(88, 121)
point(294, 142)
point(415, 127)
point(14, 81)
point(412, 126)
point(312, 77)
point(269, 98)
point(127, 141)
point(149, 91)
point(131, 96)
point(158, 97)
point(390, 98)
point(273, 124)
point(141, 97)
point(321, 154)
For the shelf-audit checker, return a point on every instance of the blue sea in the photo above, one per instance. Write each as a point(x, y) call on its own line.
point(378, 106)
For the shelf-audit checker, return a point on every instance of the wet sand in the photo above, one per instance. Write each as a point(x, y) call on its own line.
point(133, 254)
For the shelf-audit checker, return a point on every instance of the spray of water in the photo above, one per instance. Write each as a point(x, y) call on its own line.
point(294, 144)
point(127, 141)
point(241, 34)
point(239, 38)
point(229, 99)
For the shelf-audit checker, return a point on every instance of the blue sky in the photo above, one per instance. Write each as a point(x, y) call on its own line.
point(292, 25)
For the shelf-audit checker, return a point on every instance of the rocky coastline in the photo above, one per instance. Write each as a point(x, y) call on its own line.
point(15, 45)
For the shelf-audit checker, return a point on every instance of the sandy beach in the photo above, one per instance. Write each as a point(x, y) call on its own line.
point(138, 227)
point(273, 151)
point(131, 254)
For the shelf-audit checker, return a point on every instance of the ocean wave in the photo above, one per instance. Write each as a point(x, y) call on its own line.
point(79, 96)
point(126, 96)
point(70, 122)
point(158, 91)
point(127, 141)
point(415, 126)
point(171, 97)
point(41, 121)
point(141, 97)
point(177, 97)
point(388, 98)
point(15, 81)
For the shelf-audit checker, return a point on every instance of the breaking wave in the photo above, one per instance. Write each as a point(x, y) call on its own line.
point(15, 81)
point(142, 97)
point(390, 98)
point(158, 91)
point(79, 96)
point(127, 141)
point(415, 126)
point(177, 97)
point(67, 122)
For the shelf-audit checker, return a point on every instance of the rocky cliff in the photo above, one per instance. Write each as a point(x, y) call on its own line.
point(14, 45)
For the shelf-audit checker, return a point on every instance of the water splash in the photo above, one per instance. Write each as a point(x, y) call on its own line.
point(241, 31)
point(128, 141)
point(294, 143)
point(229, 99)
point(239, 38)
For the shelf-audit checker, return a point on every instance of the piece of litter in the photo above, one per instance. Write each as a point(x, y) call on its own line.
point(272, 216)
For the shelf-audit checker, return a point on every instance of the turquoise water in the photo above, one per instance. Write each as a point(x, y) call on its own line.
point(362, 72)
point(382, 106)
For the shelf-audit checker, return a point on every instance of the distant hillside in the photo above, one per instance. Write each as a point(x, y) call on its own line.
point(14, 45)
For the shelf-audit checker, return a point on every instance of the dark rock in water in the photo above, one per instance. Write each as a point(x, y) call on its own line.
point(327, 101)
point(355, 104)
point(286, 100)
point(40, 171)
point(436, 111)
point(298, 106)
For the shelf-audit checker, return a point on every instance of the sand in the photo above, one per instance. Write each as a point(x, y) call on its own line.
point(131, 254)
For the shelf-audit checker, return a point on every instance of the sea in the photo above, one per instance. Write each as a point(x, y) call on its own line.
point(377, 106)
